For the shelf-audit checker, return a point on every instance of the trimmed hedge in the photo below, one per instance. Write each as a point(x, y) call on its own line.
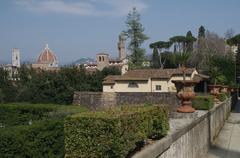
point(21, 114)
point(41, 139)
point(33, 130)
point(203, 102)
point(114, 133)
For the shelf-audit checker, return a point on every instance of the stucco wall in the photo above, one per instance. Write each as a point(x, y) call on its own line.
point(122, 86)
point(189, 138)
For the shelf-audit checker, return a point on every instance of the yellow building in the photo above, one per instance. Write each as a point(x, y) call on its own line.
point(148, 80)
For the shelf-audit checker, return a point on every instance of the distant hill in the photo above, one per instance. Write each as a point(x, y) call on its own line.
point(83, 61)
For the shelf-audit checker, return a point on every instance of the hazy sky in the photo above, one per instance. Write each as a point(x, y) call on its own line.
point(82, 28)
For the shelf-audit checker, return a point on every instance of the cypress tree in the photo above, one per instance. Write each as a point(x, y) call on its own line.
point(201, 32)
point(189, 41)
point(155, 58)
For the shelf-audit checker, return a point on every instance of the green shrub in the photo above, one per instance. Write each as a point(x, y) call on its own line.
point(222, 96)
point(21, 114)
point(203, 102)
point(113, 133)
point(33, 130)
point(41, 139)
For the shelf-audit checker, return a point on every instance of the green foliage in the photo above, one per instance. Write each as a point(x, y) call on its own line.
point(222, 96)
point(238, 64)
point(203, 102)
point(33, 130)
point(51, 87)
point(113, 133)
point(21, 114)
point(234, 40)
point(222, 70)
point(41, 139)
point(189, 41)
point(182, 58)
point(135, 33)
point(201, 32)
point(155, 59)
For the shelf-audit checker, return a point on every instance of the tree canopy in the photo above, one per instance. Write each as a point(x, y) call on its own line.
point(135, 32)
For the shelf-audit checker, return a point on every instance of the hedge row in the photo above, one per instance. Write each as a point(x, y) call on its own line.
point(114, 133)
point(23, 113)
point(203, 102)
point(41, 139)
point(33, 130)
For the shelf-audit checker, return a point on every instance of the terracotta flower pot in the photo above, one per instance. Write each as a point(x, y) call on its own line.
point(214, 90)
point(185, 92)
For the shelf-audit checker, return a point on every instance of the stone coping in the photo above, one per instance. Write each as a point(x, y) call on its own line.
point(178, 127)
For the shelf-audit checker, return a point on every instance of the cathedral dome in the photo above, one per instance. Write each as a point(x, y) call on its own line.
point(47, 57)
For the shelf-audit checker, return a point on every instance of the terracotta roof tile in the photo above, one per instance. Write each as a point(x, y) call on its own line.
point(145, 74)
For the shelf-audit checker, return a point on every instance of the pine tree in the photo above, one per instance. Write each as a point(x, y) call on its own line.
point(155, 58)
point(137, 37)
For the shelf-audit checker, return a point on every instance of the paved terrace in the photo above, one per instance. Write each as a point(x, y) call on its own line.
point(227, 144)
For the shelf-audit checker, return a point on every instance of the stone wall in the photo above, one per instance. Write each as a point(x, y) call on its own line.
point(189, 137)
point(96, 100)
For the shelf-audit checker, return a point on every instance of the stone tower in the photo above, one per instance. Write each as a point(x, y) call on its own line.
point(102, 60)
point(121, 46)
point(16, 57)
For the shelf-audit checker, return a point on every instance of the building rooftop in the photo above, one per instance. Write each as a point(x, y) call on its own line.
point(47, 56)
point(145, 74)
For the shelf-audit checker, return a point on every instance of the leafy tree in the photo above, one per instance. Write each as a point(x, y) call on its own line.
point(135, 32)
point(179, 43)
point(201, 32)
point(160, 46)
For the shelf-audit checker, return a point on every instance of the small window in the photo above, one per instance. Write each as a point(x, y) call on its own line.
point(100, 58)
point(111, 87)
point(158, 87)
point(132, 84)
point(103, 58)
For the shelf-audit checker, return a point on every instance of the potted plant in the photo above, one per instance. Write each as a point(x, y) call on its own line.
point(185, 88)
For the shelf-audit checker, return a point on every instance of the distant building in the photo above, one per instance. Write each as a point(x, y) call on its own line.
point(47, 60)
point(149, 80)
point(16, 58)
point(103, 60)
point(12, 69)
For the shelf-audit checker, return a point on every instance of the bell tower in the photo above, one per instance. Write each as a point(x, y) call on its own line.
point(121, 46)
point(16, 57)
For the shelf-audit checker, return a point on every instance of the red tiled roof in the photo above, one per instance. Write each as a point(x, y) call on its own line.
point(145, 74)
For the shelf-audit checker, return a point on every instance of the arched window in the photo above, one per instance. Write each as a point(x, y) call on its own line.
point(100, 58)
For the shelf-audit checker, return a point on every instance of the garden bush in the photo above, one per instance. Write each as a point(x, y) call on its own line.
point(33, 130)
point(113, 133)
point(21, 114)
point(203, 102)
point(41, 139)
